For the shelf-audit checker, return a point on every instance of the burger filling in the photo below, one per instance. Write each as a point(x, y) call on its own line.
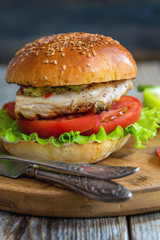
point(42, 91)
point(51, 102)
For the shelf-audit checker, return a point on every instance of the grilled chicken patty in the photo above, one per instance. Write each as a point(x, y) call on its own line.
point(98, 96)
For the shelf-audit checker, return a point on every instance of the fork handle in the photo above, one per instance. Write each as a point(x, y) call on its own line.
point(96, 189)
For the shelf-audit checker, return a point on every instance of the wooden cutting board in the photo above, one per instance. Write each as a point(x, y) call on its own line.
point(30, 196)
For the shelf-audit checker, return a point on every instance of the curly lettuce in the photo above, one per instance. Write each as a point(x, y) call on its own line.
point(142, 130)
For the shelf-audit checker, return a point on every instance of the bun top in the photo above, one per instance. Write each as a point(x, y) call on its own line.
point(71, 59)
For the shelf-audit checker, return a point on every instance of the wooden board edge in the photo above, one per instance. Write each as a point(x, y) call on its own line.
point(78, 207)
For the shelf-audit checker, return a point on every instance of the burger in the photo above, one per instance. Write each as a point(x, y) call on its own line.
point(71, 104)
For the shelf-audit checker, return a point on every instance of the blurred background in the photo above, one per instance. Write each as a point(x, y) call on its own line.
point(135, 24)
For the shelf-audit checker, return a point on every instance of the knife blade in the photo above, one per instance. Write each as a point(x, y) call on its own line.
point(96, 189)
point(89, 170)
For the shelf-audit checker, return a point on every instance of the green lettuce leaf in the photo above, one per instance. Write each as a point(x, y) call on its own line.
point(144, 129)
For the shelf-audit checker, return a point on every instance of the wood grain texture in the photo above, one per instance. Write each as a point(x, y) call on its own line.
point(145, 227)
point(17, 227)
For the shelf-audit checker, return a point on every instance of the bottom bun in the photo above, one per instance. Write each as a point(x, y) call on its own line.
point(88, 153)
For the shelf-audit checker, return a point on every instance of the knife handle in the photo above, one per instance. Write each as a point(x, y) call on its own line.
point(103, 172)
point(96, 189)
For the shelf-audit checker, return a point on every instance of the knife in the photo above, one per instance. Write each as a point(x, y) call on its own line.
point(96, 189)
point(88, 170)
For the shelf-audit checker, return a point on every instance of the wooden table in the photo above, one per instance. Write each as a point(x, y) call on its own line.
point(145, 226)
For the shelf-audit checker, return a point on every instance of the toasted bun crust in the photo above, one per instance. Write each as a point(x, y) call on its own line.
point(71, 59)
point(70, 153)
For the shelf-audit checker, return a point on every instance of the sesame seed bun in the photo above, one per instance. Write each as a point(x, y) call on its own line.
point(71, 59)
point(74, 152)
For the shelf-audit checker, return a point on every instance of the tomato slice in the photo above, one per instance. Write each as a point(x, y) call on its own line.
point(158, 152)
point(152, 97)
point(56, 127)
point(123, 113)
point(9, 107)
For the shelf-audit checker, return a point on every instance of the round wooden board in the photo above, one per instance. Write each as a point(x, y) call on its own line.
point(30, 196)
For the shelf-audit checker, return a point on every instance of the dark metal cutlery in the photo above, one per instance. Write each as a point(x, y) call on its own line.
point(88, 179)
point(88, 170)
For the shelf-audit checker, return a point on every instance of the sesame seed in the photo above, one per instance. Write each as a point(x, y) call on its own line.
point(14, 64)
point(47, 61)
point(63, 54)
point(79, 42)
point(51, 61)
point(22, 59)
point(93, 52)
point(88, 65)
point(55, 62)
point(45, 77)
point(82, 53)
point(88, 55)
point(64, 67)
point(109, 39)
point(37, 53)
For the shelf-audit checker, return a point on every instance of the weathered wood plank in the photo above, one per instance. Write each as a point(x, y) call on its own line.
point(12, 226)
point(145, 227)
point(20, 227)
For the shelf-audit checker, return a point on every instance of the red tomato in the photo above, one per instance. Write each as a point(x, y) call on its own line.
point(9, 107)
point(123, 113)
point(56, 127)
point(158, 152)
point(47, 95)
